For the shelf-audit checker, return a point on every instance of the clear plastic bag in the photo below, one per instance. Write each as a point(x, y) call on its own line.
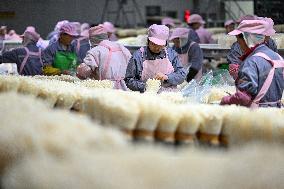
point(199, 91)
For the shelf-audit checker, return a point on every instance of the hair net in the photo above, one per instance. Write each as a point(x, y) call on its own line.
point(96, 39)
point(253, 39)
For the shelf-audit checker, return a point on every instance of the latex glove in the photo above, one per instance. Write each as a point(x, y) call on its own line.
point(240, 98)
point(49, 70)
point(234, 70)
point(225, 100)
point(160, 76)
point(83, 71)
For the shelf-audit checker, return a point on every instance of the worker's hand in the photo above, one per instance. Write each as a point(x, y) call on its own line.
point(49, 70)
point(225, 100)
point(161, 76)
point(66, 72)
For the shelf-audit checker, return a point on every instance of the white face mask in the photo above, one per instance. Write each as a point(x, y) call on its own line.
point(183, 41)
point(253, 39)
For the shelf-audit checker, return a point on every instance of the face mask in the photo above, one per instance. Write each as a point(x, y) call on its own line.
point(183, 41)
point(253, 39)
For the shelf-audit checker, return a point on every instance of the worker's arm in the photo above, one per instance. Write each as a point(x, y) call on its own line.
point(9, 57)
point(134, 73)
point(90, 63)
point(234, 54)
point(247, 84)
point(179, 75)
point(195, 57)
point(47, 60)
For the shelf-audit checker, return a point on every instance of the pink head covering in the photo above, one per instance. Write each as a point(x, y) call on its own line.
point(69, 29)
point(246, 17)
point(30, 29)
point(31, 34)
point(59, 24)
point(168, 21)
point(179, 33)
point(229, 22)
point(109, 27)
point(97, 30)
point(262, 27)
point(158, 34)
point(196, 18)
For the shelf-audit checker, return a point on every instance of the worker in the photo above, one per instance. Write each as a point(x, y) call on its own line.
point(60, 57)
point(27, 58)
point(229, 26)
point(190, 53)
point(196, 23)
point(260, 80)
point(169, 22)
point(237, 52)
point(155, 61)
point(81, 44)
point(106, 60)
point(110, 30)
point(42, 44)
point(54, 35)
point(3, 33)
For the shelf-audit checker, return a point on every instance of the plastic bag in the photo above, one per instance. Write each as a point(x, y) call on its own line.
point(199, 91)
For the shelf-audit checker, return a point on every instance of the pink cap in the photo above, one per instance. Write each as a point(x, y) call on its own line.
point(246, 17)
point(109, 27)
point(179, 33)
point(69, 29)
point(59, 24)
point(97, 30)
point(229, 22)
point(196, 18)
point(262, 27)
point(30, 29)
point(168, 21)
point(33, 35)
point(158, 34)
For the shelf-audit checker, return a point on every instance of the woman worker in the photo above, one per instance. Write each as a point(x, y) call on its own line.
point(260, 80)
point(106, 59)
point(27, 58)
point(190, 53)
point(155, 61)
point(60, 57)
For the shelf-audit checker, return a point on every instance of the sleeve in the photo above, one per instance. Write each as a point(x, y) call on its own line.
point(134, 72)
point(248, 76)
point(272, 45)
point(92, 60)
point(48, 56)
point(239, 98)
point(178, 76)
point(234, 54)
point(9, 57)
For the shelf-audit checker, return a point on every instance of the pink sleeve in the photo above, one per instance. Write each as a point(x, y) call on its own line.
point(91, 60)
point(239, 98)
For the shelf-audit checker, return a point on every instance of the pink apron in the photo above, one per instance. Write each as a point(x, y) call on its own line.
point(275, 64)
point(152, 67)
point(186, 65)
point(111, 70)
point(28, 54)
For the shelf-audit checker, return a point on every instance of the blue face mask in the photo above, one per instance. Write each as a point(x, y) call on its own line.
point(253, 39)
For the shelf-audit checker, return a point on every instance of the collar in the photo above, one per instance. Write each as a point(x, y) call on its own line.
point(153, 56)
point(250, 51)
